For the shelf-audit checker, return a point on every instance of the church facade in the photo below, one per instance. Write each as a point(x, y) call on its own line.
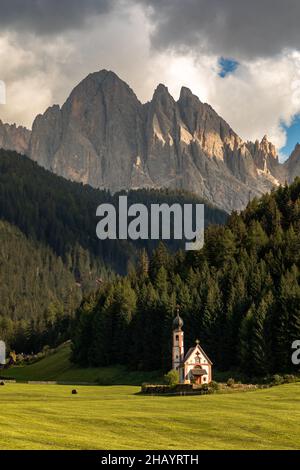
point(194, 366)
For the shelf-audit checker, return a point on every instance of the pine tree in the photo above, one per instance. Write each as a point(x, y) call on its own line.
point(259, 348)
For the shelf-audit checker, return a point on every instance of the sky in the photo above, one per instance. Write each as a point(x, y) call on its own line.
point(241, 57)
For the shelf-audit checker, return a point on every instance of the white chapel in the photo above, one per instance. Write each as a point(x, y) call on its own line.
point(194, 366)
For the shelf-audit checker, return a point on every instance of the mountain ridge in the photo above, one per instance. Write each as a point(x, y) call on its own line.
point(104, 136)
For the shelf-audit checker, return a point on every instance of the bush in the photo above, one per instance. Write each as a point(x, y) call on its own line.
point(214, 386)
point(289, 378)
point(230, 382)
point(277, 379)
point(204, 389)
point(172, 378)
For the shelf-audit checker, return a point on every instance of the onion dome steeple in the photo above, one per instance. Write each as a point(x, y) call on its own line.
point(177, 322)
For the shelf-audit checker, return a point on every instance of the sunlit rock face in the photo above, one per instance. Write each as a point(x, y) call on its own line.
point(14, 138)
point(104, 136)
point(95, 137)
point(292, 165)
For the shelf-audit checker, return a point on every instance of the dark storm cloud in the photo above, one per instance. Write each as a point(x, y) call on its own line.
point(239, 28)
point(231, 28)
point(49, 16)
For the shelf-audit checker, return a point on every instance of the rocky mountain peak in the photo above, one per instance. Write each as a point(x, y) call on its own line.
point(296, 152)
point(264, 155)
point(191, 109)
point(161, 90)
point(161, 113)
point(95, 137)
point(268, 148)
point(292, 165)
point(104, 83)
point(162, 98)
point(105, 137)
point(13, 137)
point(186, 94)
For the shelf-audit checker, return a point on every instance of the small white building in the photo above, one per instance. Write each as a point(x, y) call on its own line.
point(194, 366)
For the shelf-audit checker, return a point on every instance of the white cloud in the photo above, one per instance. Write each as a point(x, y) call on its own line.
point(31, 74)
point(259, 96)
point(255, 100)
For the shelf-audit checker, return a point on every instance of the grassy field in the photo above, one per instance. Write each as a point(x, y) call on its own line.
point(58, 367)
point(50, 417)
point(116, 417)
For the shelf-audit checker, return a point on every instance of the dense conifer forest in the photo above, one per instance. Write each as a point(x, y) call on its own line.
point(50, 256)
point(239, 295)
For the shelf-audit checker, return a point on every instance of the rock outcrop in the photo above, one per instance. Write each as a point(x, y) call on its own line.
point(14, 138)
point(292, 165)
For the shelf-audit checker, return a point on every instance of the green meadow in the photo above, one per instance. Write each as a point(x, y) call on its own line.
point(57, 367)
point(117, 417)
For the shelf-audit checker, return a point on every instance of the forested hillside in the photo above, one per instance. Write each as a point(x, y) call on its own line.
point(37, 291)
point(62, 214)
point(239, 295)
point(50, 255)
point(32, 279)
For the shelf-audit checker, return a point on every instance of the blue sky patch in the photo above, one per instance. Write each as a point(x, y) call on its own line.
point(227, 66)
point(293, 136)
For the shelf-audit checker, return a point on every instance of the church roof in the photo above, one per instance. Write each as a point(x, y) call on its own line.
point(191, 350)
point(198, 371)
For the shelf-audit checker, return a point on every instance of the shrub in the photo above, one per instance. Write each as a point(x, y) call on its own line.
point(277, 379)
point(230, 382)
point(204, 389)
point(172, 378)
point(13, 357)
point(214, 385)
point(289, 378)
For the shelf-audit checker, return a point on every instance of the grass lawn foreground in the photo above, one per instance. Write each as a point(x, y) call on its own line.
point(116, 417)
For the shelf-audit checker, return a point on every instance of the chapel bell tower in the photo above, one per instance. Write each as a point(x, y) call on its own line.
point(178, 346)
